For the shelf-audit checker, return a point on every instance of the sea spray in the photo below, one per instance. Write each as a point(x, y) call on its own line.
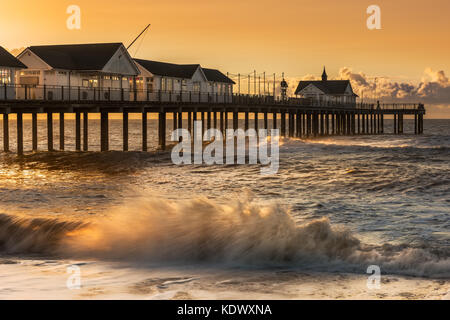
point(199, 231)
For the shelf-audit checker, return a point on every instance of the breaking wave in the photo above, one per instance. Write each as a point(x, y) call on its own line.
point(203, 231)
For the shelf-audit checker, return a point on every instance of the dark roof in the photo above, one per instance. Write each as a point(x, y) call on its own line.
point(328, 87)
point(8, 60)
point(216, 76)
point(183, 71)
point(87, 57)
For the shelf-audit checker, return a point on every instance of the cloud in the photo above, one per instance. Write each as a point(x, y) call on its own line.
point(434, 87)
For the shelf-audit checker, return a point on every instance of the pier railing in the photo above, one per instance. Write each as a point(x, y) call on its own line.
point(15, 92)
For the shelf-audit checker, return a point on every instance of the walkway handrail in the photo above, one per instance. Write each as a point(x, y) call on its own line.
point(16, 92)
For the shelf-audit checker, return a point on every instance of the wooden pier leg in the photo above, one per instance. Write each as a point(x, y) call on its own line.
point(180, 122)
point(215, 120)
point(222, 122)
point(125, 130)
point(283, 124)
point(104, 132)
point(266, 121)
point(289, 124)
point(235, 120)
point(226, 120)
point(194, 119)
point(246, 120)
point(256, 122)
point(61, 131)
point(203, 119)
point(332, 124)
point(189, 120)
point(162, 130)
point(401, 123)
point(339, 123)
point(274, 119)
point(313, 124)
point(363, 124)
point(19, 133)
point(86, 131)
point(144, 132)
point(395, 123)
point(358, 119)
point(378, 123)
point(78, 131)
point(415, 124)
point(34, 131)
point(208, 119)
point(353, 125)
point(308, 124)
point(421, 124)
point(180, 119)
point(367, 124)
point(174, 121)
point(344, 123)
point(304, 124)
point(5, 132)
point(322, 124)
point(375, 123)
point(327, 124)
point(50, 131)
point(299, 125)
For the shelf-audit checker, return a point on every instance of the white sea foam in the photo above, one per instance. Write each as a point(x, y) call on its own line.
point(202, 231)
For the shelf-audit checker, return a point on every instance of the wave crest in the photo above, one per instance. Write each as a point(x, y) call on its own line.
point(204, 231)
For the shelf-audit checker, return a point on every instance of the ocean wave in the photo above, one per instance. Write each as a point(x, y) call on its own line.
point(204, 231)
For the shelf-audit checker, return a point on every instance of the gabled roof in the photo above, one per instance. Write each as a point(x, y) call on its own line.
point(183, 71)
point(216, 76)
point(328, 87)
point(8, 60)
point(81, 57)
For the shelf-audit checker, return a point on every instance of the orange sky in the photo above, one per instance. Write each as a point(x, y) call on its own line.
point(294, 36)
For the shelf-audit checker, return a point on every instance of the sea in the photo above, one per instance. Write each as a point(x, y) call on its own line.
point(345, 217)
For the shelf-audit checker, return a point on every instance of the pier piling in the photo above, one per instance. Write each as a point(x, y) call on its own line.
point(50, 131)
point(34, 131)
point(85, 131)
point(19, 133)
point(61, 131)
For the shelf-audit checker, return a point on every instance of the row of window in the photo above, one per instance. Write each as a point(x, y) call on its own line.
point(5, 76)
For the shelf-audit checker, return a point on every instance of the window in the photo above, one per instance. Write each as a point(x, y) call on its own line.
point(93, 83)
point(5, 76)
point(106, 77)
point(139, 84)
point(163, 84)
point(184, 85)
point(169, 84)
point(30, 73)
point(150, 84)
point(115, 78)
point(196, 86)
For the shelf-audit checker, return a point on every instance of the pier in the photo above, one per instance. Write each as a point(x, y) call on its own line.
point(297, 118)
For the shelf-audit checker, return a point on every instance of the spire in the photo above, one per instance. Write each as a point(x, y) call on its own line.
point(324, 75)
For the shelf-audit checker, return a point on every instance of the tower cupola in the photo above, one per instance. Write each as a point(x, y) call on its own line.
point(324, 75)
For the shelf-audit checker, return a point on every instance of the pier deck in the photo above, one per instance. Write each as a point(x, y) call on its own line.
point(297, 117)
